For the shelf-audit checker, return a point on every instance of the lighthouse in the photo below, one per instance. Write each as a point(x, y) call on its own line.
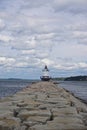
point(45, 75)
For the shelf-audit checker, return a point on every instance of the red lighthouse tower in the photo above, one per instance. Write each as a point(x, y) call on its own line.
point(45, 76)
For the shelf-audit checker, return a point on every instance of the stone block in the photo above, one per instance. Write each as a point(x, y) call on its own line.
point(64, 111)
point(9, 124)
point(39, 119)
point(26, 114)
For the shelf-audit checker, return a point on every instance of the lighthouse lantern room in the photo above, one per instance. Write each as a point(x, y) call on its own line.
point(45, 76)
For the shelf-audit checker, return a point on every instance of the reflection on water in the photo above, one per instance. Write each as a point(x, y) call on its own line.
point(79, 88)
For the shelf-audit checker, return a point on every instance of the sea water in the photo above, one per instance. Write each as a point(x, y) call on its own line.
point(10, 87)
point(78, 88)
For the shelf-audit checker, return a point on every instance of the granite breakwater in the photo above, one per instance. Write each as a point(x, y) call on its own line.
point(42, 106)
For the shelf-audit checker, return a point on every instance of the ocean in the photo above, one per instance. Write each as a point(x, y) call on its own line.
point(10, 87)
point(78, 88)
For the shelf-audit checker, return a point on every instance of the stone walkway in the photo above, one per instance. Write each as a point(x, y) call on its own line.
point(42, 106)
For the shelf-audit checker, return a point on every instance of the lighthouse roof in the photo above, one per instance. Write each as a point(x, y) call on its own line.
point(46, 68)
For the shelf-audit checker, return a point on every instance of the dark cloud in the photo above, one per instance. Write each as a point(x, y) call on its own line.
point(75, 7)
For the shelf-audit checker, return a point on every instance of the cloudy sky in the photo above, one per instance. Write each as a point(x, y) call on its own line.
point(38, 32)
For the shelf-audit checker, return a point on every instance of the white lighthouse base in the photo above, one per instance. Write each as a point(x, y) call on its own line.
point(45, 78)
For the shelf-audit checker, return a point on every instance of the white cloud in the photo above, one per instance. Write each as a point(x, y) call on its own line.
point(41, 55)
point(82, 65)
point(32, 51)
point(80, 34)
point(47, 62)
point(21, 64)
point(71, 66)
point(31, 43)
point(45, 36)
point(41, 32)
point(6, 61)
point(5, 38)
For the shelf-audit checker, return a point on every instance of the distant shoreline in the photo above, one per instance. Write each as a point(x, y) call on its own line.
point(72, 78)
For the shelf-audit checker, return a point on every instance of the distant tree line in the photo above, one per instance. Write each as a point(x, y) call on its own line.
point(59, 78)
point(76, 78)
